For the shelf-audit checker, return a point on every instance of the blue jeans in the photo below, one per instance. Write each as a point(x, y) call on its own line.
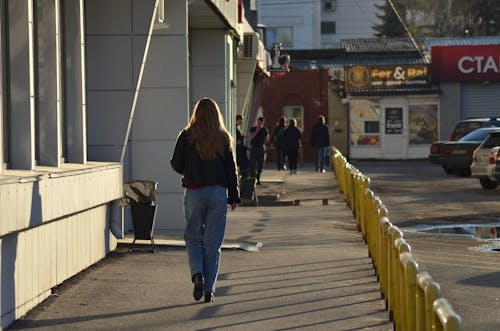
point(320, 156)
point(205, 211)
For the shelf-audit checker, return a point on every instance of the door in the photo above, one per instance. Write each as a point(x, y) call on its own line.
point(394, 132)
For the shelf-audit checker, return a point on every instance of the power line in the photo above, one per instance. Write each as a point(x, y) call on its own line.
point(417, 47)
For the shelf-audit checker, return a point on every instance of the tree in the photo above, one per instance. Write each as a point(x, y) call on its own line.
point(390, 24)
point(484, 17)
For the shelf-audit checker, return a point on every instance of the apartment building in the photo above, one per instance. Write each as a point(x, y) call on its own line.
point(313, 24)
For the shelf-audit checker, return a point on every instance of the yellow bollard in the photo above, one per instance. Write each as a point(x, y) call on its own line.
point(448, 319)
point(410, 271)
point(393, 234)
point(381, 212)
point(428, 291)
point(385, 224)
point(400, 246)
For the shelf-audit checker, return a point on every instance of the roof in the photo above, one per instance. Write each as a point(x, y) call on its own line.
point(370, 45)
point(467, 41)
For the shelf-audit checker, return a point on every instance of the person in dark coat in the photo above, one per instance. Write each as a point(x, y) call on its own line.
point(259, 136)
point(241, 150)
point(277, 143)
point(292, 140)
point(320, 140)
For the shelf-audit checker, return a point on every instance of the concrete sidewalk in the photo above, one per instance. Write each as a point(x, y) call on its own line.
point(312, 273)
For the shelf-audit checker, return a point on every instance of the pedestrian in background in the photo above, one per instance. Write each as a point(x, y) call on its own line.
point(292, 140)
point(278, 144)
point(320, 140)
point(203, 156)
point(241, 150)
point(259, 136)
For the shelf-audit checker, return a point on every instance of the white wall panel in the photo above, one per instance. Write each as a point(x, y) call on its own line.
point(108, 112)
point(108, 16)
point(37, 259)
point(109, 63)
point(161, 114)
point(166, 64)
point(209, 81)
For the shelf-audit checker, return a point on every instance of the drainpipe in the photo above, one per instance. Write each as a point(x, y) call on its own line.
point(116, 212)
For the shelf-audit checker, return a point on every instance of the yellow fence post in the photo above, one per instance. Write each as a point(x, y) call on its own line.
point(400, 246)
point(385, 224)
point(393, 234)
point(428, 291)
point(410, 271)
point(448, 319)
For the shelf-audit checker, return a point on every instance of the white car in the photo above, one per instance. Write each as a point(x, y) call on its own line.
point(493, 167)
point(481, 162)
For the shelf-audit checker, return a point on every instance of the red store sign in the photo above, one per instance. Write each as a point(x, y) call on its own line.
point(465, 63)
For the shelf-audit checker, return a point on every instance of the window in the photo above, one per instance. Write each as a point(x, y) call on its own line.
point(423, 128)
point(365, 122)
point(328, 27)
point(283, 35)
point(296, 112)
point(329, 5)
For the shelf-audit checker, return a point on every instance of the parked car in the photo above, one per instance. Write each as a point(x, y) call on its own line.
point(481, 158)
point(493, 168)
point(456, 156)
point(461, 129)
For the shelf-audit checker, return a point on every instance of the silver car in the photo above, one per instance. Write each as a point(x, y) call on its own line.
point(480, 161)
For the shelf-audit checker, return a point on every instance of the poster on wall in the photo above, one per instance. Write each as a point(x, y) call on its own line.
point(394, 120)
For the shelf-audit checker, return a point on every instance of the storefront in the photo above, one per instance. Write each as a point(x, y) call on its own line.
point(393, 111)
point(469, 77)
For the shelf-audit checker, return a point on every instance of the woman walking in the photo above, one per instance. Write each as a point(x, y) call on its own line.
point(203, 155)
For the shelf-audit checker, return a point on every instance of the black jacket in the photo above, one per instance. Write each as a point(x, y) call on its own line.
point(291, 137)
point(320, 136)
point(196, 171)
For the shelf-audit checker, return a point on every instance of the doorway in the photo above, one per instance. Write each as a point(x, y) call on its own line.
point(395, 140)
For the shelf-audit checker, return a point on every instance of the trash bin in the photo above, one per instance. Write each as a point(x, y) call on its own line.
point(140, 196)
point(247, 185)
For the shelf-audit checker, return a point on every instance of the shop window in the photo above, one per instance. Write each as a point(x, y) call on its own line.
point(423, 120)
point(296, 112)
point(365, 123)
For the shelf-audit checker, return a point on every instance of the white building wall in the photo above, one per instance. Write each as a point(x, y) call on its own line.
point(354, 19)
point(54, 219)
point(302, 16)
point(116, 34)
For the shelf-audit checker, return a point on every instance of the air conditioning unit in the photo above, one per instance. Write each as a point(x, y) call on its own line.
point(250, 47)
point(330, 5)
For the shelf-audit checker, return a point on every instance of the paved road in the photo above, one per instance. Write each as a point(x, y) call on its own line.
point(418, 193)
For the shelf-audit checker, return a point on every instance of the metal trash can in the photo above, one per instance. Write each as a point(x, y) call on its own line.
point(140, 196)
point(247, 185)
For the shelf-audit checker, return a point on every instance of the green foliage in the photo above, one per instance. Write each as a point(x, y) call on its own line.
point(390, 26)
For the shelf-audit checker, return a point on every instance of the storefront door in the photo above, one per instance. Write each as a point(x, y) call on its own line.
point(394, 132)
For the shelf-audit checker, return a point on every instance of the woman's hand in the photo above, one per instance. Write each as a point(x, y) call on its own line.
point(234, 205)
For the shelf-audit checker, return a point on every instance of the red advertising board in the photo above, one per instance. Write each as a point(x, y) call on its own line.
point(465, 63)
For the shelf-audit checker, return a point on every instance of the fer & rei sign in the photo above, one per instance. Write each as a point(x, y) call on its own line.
point(386, 77)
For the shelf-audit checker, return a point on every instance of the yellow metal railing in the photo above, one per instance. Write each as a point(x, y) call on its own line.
point(412, 297)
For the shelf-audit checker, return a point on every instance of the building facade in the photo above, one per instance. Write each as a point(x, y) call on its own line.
point(69, 138)
point(299, 24)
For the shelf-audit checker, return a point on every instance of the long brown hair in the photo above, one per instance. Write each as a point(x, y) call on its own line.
point(207, 129)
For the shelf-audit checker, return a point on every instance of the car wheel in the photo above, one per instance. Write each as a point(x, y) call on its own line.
point(448, 170)
point(488, 184)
